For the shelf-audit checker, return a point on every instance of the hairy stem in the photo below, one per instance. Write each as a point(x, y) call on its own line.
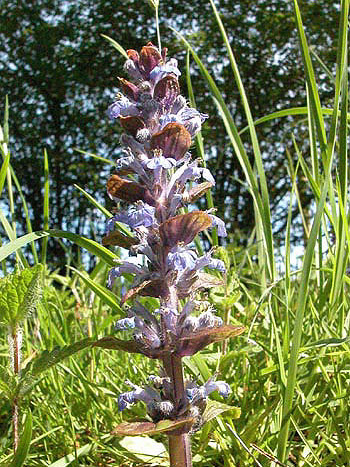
point(15, 350)
point(179, 445)
point(180, 451)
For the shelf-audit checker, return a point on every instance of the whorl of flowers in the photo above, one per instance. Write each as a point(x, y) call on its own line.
point(150, 185)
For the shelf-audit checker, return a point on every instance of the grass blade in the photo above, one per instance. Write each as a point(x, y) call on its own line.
point(46, 205)
point(240, 153)
point(90, 245)
point(266, 218)
point(116, 45)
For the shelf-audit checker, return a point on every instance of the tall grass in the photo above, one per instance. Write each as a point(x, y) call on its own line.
point(289, 373)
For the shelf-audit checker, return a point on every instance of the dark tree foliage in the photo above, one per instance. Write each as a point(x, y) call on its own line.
point(60, 76)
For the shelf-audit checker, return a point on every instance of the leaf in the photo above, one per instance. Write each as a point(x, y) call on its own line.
point(3, 171)
point(47, 360)
point(105, 295)
point(149, 428)
point(117, 46)
point(20, 293)
point(183, 228)
point(116, 238)
point(331, 342)
point(146, 449)
point(8, 383)
point(215, 408)
point(94, 201)
point(155, 288)
point(24, 443)
point(127, 190)
point(90, 245)
point(69, 458)
point(196, 341)
point(173, 140)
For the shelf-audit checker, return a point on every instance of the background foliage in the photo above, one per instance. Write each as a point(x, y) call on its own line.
point(61, 75)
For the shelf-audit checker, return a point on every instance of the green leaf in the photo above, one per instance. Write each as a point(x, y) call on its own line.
point(24, 444)
point(46, 211)
point(105, 295)
point(68, 459)
point(20, 293)
point(48, 359)
point(94, 202)
point(8, 383)
point(146, 449)
point(331, 342)
point(90, 245)
point(117, 46)
point(3, 171)
point(215, 408)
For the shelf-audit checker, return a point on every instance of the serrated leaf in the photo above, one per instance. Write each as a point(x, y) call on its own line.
point(24, 443)
point(215, 408)
point(47, 360)
point(8, 383)
point(20, 293)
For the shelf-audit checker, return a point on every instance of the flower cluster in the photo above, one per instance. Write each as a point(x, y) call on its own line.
point(151, 187)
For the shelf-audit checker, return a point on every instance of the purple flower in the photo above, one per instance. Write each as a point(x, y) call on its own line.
point(146, 395)
point(190, 118)
point(141, 215)
point(131, 164)
point(125, 323)
point(209, 262)
point(196, 394)
point(205, 320)
point(188, 172)
point(180, 258)
point(219, 224)
point(124, 268)
point(153, 177)
point(160, 71)
point(160, 161)
point(122, 107)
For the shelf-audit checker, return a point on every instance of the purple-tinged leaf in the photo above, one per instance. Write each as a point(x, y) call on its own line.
point(130, 89)
point(151, 288)
point(183, 228)
point(174, 141)
point(166, 90)
point(126, 190)
point(170, 427)
point(149, 58)
point(116, 238)
point(130, 346)
point(196, 192)
point(132, 124)
point(196, 341)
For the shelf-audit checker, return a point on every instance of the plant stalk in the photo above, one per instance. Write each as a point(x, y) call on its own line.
point(179, 445)
point(15, 347)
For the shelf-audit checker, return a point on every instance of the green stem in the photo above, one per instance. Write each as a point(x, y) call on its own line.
point(158, 31)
